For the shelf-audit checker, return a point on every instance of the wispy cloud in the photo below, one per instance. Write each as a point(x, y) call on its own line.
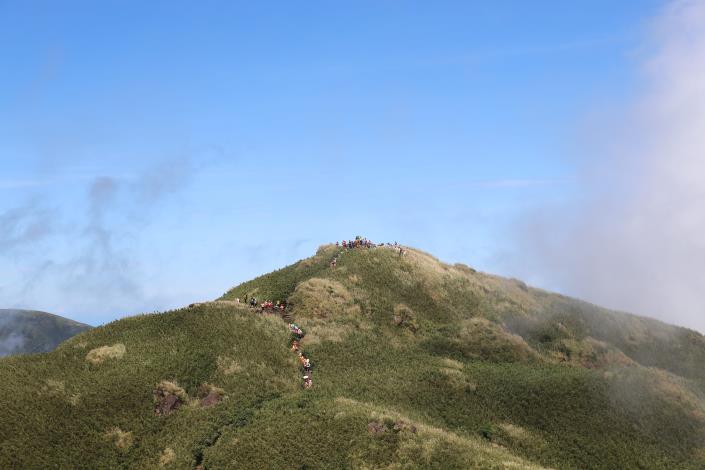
point(635, 241)
point(91, 260)
point(24, 225)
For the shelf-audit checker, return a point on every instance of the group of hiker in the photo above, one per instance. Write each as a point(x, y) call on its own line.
point(359, 242)
point(297, 334)
point(266, 305)
point(269, 305)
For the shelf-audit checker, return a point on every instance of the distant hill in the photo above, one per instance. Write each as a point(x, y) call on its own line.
point(29, 331)
point(415, 364)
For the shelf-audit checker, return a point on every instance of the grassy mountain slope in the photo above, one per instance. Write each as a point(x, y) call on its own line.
point(29, 331)
point(416, 364)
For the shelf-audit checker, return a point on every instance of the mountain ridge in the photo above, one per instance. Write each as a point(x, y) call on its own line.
point(33, 331)
point(417, 364)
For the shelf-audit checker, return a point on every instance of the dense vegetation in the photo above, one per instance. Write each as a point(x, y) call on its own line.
point(417, 364)
point(28, 331)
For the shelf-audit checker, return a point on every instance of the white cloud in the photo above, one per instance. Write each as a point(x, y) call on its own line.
point(637, 240)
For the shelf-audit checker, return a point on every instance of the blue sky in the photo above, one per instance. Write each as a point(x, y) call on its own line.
point(155, 155)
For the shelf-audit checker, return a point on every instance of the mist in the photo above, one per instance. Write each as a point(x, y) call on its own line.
point(633, 238)
point(10, 341)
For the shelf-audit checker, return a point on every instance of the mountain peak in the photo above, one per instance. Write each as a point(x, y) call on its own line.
point(411, 359)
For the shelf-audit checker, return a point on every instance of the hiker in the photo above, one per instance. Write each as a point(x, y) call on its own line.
point(308, 383)
point(237, 299)
point(295, 346)
point(296, 331)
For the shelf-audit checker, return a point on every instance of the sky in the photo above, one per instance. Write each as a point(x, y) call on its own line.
point(154, 155)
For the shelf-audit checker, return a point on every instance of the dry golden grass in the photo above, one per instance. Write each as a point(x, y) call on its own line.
point(674, 389)
point(326, 249)
point(207, 388)
point(403, 316)
point(457, 379)
point(57, 389)
point(123, 440)
point(452, 364)
point(590, 353)
point(318, 331)
point(514, 431)
point(167, 387)
point(274, 321)
point(420, 446)
point(167, 457)
point(101, 354)
point(485, 339)
point(517, 434)
point(421, 269)
point(74, 399)
point(425, 262)
point(323, 298)
point(221, 303)
point(509, 296)
point(451, 372)
point(228, 366)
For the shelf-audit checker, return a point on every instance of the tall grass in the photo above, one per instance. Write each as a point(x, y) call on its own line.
point(479, 366)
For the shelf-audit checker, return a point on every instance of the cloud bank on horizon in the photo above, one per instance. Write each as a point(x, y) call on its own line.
point(635, 240)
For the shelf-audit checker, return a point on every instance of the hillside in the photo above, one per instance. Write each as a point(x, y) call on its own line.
point(416, 364)
point(29, 331)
